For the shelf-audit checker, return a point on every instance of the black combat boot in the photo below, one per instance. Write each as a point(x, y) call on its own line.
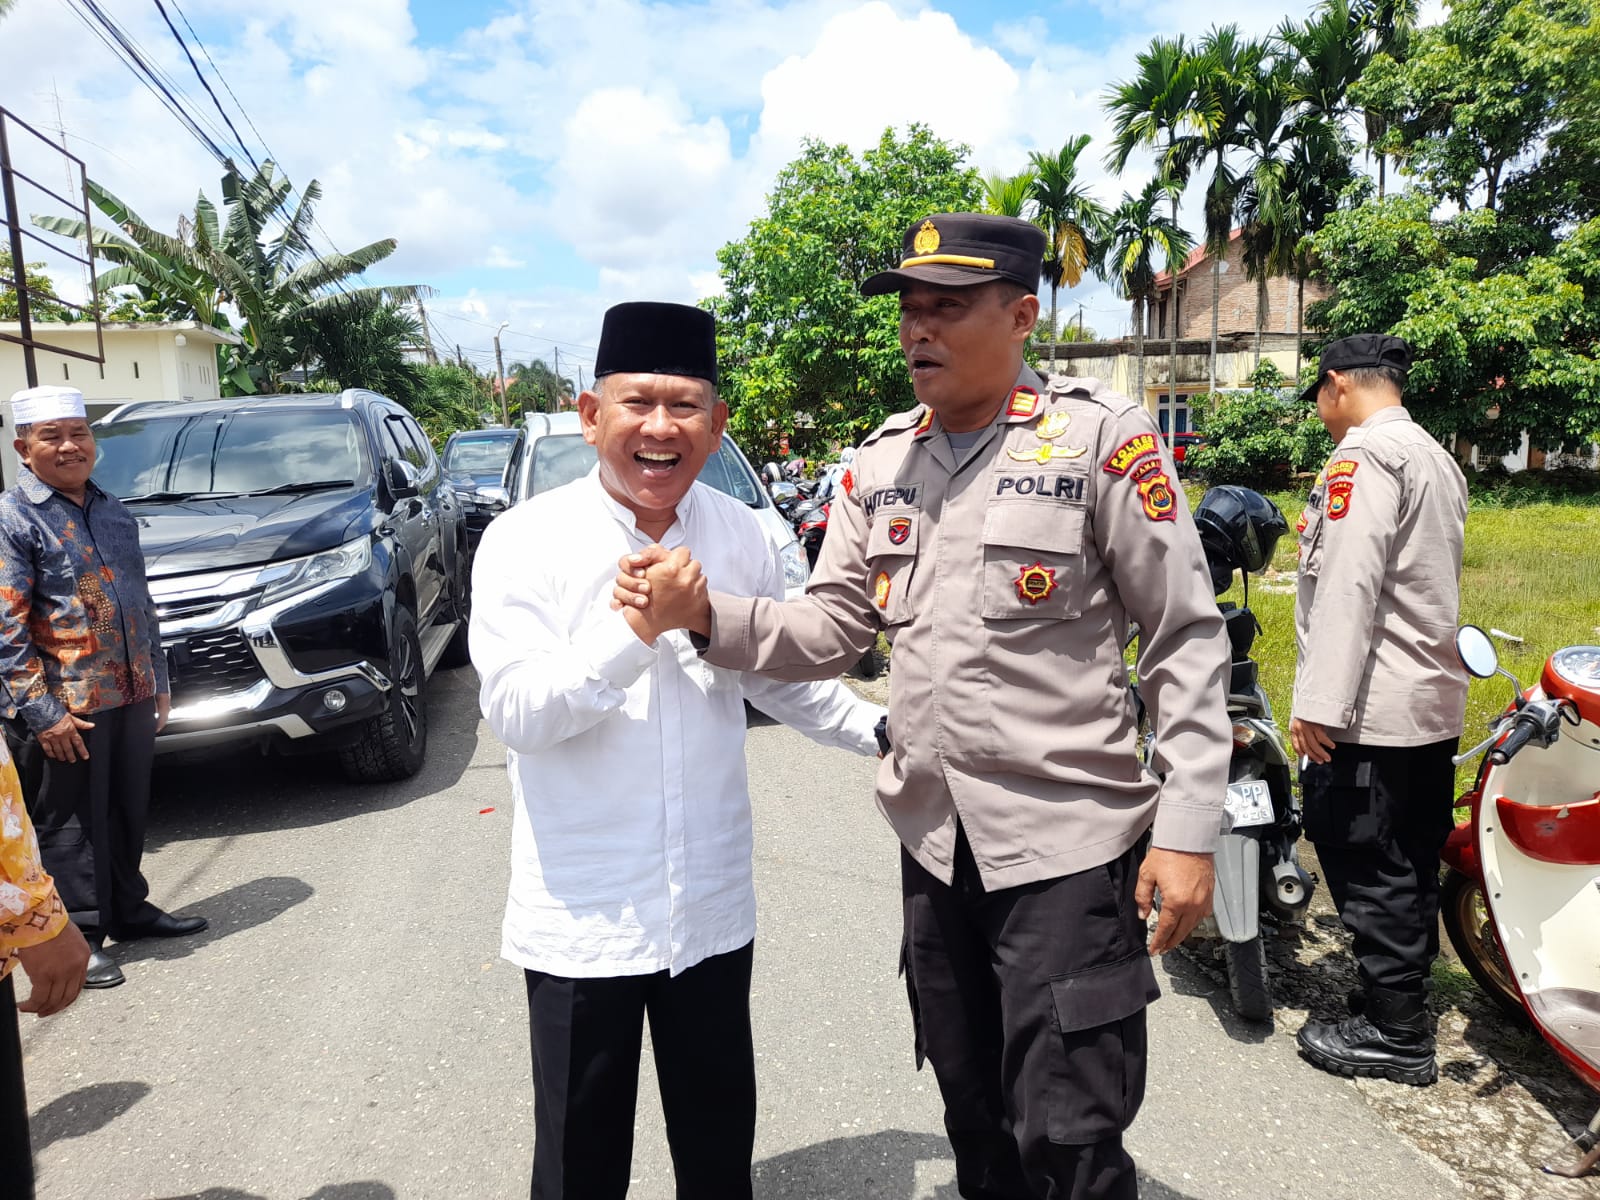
point(1391, 1039)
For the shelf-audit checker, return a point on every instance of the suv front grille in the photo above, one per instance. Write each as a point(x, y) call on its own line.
point(211, 665)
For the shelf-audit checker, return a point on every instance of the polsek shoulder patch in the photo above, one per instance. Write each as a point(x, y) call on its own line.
point(1141, 445)
point(1155, 491)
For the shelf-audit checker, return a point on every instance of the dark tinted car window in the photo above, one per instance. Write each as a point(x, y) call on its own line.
point(560, 458)
point(229, 452)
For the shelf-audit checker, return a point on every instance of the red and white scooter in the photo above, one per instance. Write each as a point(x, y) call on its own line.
point(1522, 898)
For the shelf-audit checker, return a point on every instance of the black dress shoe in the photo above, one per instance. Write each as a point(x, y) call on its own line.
point(164, 926)
point(102, 973)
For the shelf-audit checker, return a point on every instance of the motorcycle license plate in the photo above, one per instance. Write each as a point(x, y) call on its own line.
point(1249, 803)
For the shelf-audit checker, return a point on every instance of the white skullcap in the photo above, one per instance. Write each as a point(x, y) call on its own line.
point(32, 405)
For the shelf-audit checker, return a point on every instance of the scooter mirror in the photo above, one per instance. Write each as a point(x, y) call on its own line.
point(1476, 651)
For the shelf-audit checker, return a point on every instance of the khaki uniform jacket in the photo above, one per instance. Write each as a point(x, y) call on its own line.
point(1379, 593)
point(1006, 582)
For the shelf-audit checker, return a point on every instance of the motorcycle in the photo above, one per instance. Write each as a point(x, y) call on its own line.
point(1521, 899)
point(1257, 860)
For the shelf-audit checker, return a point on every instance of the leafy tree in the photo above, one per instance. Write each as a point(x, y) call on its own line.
point(1258, 438)
point(450, 398)
point(1140, 240)
point(802, 351)
point(1501, 346)
point(1073, 221)
point(41, 290)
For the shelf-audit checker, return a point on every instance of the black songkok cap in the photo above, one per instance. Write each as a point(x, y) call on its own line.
point(645, 337)
point(963, 250)
point(1362, 350)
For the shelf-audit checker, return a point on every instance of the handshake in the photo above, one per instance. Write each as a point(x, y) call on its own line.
point(659, 590)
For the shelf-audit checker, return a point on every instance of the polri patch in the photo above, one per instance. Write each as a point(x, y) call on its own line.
point(1131, 451)
point(1035, 583)
point(1024, 402)
point(1342, 469)
point(1340, 494)
point(1043, 487)
point(899, 530)
point(1155, 492)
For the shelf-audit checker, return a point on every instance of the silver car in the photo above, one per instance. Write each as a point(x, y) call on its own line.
point(551, 451)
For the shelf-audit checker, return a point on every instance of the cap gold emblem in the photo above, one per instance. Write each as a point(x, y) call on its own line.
point(927, 239)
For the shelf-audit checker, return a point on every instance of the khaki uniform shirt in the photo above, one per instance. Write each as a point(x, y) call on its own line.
point(1006, 581)
point(1379, 593)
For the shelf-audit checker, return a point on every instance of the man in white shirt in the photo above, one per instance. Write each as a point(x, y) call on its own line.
point(631, 885)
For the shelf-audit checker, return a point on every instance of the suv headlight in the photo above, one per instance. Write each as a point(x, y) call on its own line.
point(796, 571)
point(281, 580)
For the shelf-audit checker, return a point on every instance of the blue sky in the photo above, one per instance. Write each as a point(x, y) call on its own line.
point(540, 161)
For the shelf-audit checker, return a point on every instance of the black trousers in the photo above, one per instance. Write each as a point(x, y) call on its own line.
point(1378, 817)
point(1030, 1003)
point(16, 1153)
point(90, 816)
point(587, 1036)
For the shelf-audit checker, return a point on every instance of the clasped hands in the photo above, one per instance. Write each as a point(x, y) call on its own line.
point(659, 590)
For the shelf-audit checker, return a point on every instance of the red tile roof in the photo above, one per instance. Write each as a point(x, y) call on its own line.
point(1196, 256)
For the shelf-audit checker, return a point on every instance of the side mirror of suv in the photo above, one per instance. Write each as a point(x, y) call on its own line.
point(401, 479)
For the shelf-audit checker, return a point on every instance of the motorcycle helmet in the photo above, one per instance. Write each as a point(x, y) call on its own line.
point(1239, 530)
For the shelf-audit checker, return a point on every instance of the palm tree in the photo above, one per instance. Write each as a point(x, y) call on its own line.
point(1270, 226)
point(1162, 107)
point(1072, 220)
point(1388, 26)
point(536, 387)
point(1229, 68)
point(1139, 241)
point(1008, 195)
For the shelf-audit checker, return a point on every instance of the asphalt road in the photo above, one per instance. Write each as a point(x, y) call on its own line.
point(345, 1030)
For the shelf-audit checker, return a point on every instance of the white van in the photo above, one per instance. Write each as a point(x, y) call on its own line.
point(551, 451)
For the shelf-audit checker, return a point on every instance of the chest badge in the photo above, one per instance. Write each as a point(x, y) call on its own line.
point(880, 590)
point(899, 530)
point(1053, 426)
point(1035, 583)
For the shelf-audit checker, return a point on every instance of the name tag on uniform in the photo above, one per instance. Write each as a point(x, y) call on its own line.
point(889, 496)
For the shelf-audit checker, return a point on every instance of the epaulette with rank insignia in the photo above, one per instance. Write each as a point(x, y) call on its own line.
point(900, 423)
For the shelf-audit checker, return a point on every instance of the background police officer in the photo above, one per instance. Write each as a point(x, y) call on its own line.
point(1004, 532)
point(1379, 698)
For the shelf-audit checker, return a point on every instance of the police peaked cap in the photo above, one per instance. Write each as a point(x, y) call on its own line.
point(645, 337)
point(1362, 350)
point(964, 250)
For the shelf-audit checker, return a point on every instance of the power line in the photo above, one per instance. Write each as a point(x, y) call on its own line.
point(518, 333)
point(227, 120)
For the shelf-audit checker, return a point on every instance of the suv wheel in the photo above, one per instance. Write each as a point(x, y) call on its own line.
point(457, 653)
point(393, 744)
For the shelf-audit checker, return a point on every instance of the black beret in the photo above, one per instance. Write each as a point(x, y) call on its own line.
point(963, 250)
point(1362, 350)
point(645, 337)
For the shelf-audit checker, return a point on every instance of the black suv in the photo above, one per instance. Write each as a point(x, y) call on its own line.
point(475, 462)
point(308, 562)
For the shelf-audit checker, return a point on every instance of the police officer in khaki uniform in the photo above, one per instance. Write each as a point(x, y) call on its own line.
point(1379, 697)
point(1004, 533)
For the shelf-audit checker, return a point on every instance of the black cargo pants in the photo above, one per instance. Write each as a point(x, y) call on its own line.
point(1378, 817)
point(1030, 1003)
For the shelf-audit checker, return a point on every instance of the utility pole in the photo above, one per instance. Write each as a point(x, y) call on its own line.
point(500, 365)
point(558, 380)
point(460, 361)
point(1080, 322)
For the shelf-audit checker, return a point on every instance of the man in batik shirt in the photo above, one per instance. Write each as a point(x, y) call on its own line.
point(81, 663)
point(35, 933)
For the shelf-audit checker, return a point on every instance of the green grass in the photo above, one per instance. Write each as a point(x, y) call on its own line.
point(1532, 571)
